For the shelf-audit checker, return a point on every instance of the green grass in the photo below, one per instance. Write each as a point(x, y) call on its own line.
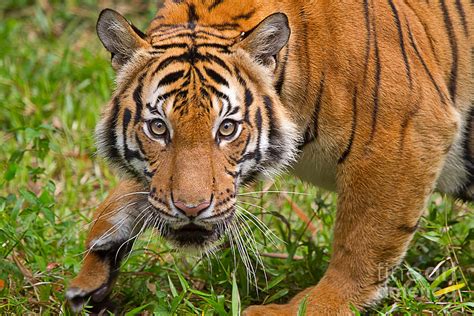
point(54, 79)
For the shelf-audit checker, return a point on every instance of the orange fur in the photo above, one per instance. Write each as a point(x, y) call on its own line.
point(376, 93)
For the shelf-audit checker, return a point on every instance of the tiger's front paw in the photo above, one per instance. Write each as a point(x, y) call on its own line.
point(93, 285)
point(78, 298)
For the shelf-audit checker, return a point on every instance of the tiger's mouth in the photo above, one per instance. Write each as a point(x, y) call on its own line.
point(194, 233)
point(192, 236)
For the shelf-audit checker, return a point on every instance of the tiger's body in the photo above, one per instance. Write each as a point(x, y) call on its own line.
point(371, 99)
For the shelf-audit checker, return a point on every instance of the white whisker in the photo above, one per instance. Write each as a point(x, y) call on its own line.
point(111, 213)
point(111, 230)
point(138, 219)
point(266, 231)
point(248, 234)
point(274, 191)
point(251, 273)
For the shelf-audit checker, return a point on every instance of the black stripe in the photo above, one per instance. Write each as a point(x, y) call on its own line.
point(218, 93)
point(232, 174)
point(401, 41)
point(248, 103)
point(110, 137)
point(462, 15)
point(170, 93)
point(202, 35)
point(281, 77)
point(233, 111)
point(422, 61)
point(158, 17)
point(170, 46)
point(217, 60)
point(468, 136)
point(248, 99)
point(214, 4)
point(152, 109)
point(273, 133)
point(174, 36)
point(222, 47)
point(127, 117)
point(348, 149)
point(269, 108)
point(168, 61)
point(171, 78)
point(258, 122)
point(209, 33)
point(454, 51)
point(317, 107)
point(193, 54)
point(128, 153)
point(167, 27)
point(244, 16)
point(312, 130)
point(200, 75)
point(140, 145)
point(376, 91)
point(139, 32)
point(248, 156)
point(192, 57)
point(233, 159)
point(216, 77)
point(171, 33)
point(222, 109)
point(149, 174)
point(193, 17)
point(137, 98)
point(247, 142)
point(204, 93)
point(224, 26)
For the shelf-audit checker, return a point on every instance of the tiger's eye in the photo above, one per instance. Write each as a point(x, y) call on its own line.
point(157, 128)
point(227, 128)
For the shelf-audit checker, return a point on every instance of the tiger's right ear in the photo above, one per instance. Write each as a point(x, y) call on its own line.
point(119, 37)
point(267, 39)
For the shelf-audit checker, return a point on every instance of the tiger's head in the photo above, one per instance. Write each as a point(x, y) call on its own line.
point(195, 115)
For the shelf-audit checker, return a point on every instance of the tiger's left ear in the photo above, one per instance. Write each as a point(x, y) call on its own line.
point(267, 39)
point(120, 37)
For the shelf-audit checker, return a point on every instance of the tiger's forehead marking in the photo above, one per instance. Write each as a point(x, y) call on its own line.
point(191, 41)
point(190, 78)
point(230, 18)
point(191, 70)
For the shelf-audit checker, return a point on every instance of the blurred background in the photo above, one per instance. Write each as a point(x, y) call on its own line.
point(55, 77)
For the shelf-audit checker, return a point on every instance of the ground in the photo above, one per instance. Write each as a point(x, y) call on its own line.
point(54, 79)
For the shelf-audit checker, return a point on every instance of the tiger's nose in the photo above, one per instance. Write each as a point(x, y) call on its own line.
point(191, 210)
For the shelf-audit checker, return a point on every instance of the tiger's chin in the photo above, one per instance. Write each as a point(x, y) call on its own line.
point(193, 238)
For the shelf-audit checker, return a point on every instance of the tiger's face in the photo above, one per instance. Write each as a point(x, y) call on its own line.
point(195, 115)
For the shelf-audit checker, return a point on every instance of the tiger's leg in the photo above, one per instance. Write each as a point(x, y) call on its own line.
point(382, 192)
point(116, 223)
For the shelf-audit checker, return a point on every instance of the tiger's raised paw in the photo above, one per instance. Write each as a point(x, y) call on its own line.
point(79, 298)
point(93, 285)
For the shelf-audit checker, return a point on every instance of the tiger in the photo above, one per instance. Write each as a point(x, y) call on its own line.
point(371, 99)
